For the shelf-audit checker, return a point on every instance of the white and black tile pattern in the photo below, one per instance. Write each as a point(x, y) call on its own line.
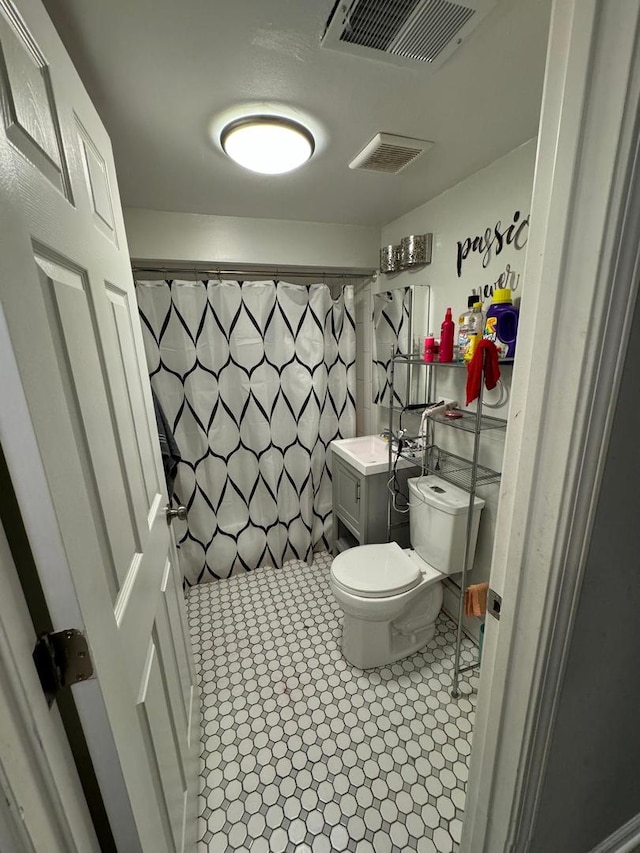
point(303, 752)
point(256, 379)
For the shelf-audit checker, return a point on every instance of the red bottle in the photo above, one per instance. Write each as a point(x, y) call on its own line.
point(446, 338)
point(429, 348)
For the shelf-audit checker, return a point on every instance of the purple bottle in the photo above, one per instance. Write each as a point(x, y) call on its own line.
point(501, 323)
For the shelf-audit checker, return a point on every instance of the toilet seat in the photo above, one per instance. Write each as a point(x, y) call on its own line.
point(376, 571)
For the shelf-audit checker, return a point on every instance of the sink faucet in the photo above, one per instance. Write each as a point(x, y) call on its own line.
point(394, 439)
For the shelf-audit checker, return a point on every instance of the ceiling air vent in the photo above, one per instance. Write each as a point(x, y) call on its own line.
point(403, 32)
point(391, 154)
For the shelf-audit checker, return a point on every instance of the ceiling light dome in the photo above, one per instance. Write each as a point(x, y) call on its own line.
point(271, 145)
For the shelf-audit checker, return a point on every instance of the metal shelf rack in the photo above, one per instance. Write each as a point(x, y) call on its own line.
point(464, 473)
point(468, 474)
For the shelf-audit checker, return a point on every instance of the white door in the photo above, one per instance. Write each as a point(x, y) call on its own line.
point(41, 802)
point(78, 432)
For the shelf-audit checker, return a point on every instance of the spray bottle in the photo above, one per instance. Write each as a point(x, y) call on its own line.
point(445, 353)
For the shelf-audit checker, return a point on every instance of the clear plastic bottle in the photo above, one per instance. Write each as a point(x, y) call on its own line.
point(470, 332)
point(463, 322)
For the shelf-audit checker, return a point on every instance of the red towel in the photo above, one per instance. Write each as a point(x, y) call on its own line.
point(474, 369)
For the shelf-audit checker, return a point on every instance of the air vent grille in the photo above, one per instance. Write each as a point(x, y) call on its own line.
point(390, 158)
point(390, 154)
point(403, 32)
point(436, 25)
point(375, 23)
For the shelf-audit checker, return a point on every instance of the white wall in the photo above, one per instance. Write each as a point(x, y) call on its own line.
point(466, 210)
point(189, 237)
point(491, 195)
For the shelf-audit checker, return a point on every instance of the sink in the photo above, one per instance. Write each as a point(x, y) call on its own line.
point(368, 454)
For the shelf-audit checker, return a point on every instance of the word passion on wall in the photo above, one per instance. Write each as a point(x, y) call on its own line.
point(494, 240)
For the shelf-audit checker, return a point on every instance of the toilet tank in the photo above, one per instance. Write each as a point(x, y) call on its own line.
point(438, 513)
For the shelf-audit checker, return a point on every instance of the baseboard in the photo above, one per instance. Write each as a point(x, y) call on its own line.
point(626, 839)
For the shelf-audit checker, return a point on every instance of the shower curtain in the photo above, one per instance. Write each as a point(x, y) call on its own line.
point(255, 378)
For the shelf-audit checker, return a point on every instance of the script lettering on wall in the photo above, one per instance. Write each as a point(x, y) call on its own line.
point(494, 240)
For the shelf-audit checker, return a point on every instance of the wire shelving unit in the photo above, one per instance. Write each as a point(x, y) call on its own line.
point(466, 473)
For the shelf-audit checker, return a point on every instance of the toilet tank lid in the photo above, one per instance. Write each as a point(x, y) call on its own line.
point(376, 570)
point(438, 493)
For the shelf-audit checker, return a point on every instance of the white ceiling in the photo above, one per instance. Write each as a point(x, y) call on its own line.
point(160, 71)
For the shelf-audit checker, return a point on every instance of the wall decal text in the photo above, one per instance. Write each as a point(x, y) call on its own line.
point(494, 240)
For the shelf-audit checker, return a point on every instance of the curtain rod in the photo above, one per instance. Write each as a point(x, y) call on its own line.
point(217, 272)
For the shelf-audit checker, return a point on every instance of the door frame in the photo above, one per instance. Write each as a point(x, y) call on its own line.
point(581, 277)
point(42, 739)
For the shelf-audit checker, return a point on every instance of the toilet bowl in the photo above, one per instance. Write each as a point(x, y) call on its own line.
point(390, 596)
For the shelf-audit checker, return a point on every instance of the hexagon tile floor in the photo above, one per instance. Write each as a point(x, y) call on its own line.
point(304, 752)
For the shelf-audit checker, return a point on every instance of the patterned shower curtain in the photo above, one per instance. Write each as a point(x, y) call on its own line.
point(255, 378)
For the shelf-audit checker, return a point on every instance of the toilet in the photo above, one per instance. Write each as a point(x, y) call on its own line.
point(391, 596)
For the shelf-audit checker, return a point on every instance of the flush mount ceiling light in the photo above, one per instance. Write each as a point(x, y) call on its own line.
point(268, 144)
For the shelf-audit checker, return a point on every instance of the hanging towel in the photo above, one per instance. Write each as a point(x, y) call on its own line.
point(475, 599)
point(486, 352)
point(168, 446)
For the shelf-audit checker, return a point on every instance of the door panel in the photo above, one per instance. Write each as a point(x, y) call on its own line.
point(174, 773)
point(141, 597)
point(97, 183)
point(71, 321)
point(153, 707)
point(31, 118)
point(347, 495)
point(178, 628)
point(130, 411)
point(169, 653)
point(67, 293)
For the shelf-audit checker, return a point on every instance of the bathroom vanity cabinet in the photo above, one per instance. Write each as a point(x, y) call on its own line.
point(360, 506)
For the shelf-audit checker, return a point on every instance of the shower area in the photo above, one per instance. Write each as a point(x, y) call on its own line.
point(301, 752)
point(255, 379)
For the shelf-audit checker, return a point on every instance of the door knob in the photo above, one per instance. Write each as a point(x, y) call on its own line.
point(180, 512)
